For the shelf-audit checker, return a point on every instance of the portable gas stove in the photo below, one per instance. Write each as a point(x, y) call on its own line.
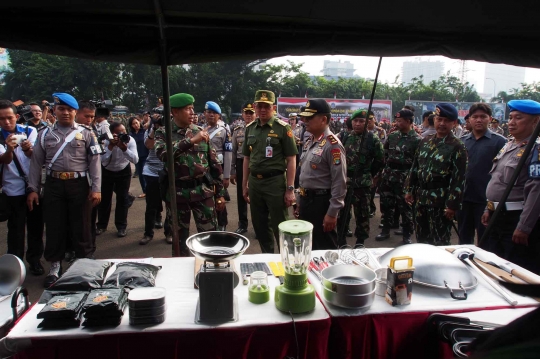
point(216, 278)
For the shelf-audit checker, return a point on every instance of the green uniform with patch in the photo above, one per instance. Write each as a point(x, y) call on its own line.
point(267, 181)
point(195, 190)
point(370, 161)
point(436, 180)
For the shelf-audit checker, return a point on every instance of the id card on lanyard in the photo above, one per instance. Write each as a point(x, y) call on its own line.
point(269, 149)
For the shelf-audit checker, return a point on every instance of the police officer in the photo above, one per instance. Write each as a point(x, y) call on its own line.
point(196, 169)
point(237, 170)
point(362, 165)
point(323, 176)
point(269, 169)
point(437, 179)
point(399, 149)
point(495, 127)
point(516, 234)
point(70, 153)
point(220, 139)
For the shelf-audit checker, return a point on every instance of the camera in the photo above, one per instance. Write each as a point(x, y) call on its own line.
point(107, 135)
point(25, 114)
point(124, 137)
point(157, 120)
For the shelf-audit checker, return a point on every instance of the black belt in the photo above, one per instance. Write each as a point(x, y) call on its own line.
point(267, 174)
point(188, 183)
point(433, 185)
point(399, 166)
point(304, 192)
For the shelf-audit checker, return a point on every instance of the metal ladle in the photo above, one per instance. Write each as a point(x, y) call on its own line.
point(465, 255)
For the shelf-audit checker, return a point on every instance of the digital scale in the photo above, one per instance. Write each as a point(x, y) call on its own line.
point(216, 278)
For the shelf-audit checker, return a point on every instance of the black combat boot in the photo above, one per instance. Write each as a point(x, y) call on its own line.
point(406, 236)
point(385, 234)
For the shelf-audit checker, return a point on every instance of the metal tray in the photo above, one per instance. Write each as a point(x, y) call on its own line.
point(217, 246)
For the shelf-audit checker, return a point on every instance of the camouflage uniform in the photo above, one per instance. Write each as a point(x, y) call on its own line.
point(335, 126)
point(436, 181)
point(370, 160)
point(399, 149)
point(194, 192)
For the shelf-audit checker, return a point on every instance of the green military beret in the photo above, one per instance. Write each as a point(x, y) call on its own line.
point(265, 96)
point(361, 113)
point(181, 100)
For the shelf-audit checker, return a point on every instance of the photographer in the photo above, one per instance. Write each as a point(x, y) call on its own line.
point(100, 121)
point(138, 133)
point(120, 152)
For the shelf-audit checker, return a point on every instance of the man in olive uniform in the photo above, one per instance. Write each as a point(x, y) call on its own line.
point(70, 153)
point(323, 176)
point(220, 139)
point(269, 169)
point(437, 179)
point(399, 150)
point(362, 165)
point(237, 167)
point(196, 171)
point(516, 233)
point(495, 127)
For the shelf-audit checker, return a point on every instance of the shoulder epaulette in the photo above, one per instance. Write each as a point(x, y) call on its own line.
point(251, 123)
point(333, 140)
point(282, 123)
point(237, 127)
point(85, 127)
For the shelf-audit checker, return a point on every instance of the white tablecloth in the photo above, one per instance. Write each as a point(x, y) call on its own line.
point(426, 299)
point(181, 301)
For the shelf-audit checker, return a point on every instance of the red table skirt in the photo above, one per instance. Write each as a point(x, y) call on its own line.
point(387, 336)
point(270, 341)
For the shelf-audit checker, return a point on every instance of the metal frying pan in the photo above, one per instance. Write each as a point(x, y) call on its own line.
point(216, 246)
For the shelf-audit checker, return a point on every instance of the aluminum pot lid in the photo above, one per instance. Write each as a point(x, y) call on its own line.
point(433, 266)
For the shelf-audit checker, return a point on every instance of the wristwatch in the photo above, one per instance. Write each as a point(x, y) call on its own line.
point(290, 188)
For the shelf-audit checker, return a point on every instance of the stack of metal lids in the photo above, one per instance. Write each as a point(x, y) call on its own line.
point(146, 306)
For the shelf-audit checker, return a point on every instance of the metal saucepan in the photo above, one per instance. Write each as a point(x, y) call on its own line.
point(348, 279)
point(217, 246)
point(349, 301)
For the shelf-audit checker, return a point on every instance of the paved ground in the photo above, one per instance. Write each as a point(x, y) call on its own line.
point(110, 246)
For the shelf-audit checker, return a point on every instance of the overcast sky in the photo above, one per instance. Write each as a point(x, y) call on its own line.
point(391, 67)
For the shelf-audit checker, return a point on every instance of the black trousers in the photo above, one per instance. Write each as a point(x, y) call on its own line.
point(500, 242)
point(154, 205)
point(117, 182)
point(470, 221)
point(66, 218)
point(241, 202)
point(19, 220)
point(313, 209)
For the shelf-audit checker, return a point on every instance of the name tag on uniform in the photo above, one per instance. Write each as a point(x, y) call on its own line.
point(269, 152)
point(273, 135)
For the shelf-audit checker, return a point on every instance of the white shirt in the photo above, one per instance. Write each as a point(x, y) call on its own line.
point(116, 160)
point(13, 183)
point(100, 127)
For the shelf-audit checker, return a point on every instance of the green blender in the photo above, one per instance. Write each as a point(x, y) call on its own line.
point(295, 295)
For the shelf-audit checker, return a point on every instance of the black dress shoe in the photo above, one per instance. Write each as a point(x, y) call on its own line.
point(158, 224)
point(36, 268)
point(54, 273)
point(100, 230)
point(241, 231)
point(121, 233)
point(70, 256)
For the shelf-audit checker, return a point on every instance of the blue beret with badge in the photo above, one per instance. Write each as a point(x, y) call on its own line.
point(526, 106)
point(61, 98)
point(447, 110)
point(211, 105)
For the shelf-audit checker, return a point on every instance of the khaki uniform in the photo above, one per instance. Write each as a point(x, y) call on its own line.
point(221, 142)
point(267, 146)
point(237, 169)
point(323, 186)
point(75, 172)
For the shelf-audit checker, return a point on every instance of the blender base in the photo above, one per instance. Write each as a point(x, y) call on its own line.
point(295, 301)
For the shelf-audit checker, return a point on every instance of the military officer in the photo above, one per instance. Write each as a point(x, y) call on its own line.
point(335, 125)
point(197, 171)
point(269, 169)
point(437, 179)
point(220, 139)
point(70, 153)
point(237, 174)
point(362, 164)
point(516, 233)
point(323, 176)
point(373, 128)
point(399, 149)
point(495, 127)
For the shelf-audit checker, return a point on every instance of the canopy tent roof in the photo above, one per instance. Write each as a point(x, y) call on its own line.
point(209, 30)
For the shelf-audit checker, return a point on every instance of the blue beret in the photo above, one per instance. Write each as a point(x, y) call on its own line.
point(65, 99)
point(211, 105)
point(446, 110)
point(526, 106)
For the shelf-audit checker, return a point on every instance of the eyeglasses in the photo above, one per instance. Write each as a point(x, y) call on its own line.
point(39, 111)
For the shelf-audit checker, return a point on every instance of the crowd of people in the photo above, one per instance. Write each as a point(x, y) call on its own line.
point(430, 175)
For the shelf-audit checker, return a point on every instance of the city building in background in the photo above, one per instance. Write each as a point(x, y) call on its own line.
point(336, 69)
point(430, 70)
point(500, 77)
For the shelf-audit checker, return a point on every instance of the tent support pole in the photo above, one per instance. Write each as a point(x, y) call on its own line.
point(508, 189)
point(168, 126)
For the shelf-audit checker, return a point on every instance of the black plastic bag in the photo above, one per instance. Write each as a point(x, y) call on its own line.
point(102, 303)
point(67, 306)
point(133, 275)
point(84, 274)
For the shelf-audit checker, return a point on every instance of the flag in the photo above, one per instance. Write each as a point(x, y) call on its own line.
point(433, 98)
point(279, 94)
point(363, 98)
point(335, 94)
point(305, 96)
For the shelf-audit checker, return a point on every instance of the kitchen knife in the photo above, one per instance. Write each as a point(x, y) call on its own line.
point(496, 261)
